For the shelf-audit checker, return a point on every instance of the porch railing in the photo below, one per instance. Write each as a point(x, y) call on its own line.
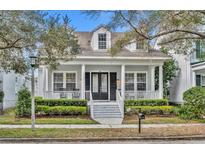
point(131, 95)
point(62, 94)
point(120, 102)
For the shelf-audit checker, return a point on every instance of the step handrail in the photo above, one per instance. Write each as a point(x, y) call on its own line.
point(120, 102)
point(91, 104)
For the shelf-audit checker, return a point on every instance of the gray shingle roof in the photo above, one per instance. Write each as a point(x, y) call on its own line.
point(84, 39)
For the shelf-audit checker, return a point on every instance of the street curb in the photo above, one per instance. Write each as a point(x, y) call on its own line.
point(50, 140)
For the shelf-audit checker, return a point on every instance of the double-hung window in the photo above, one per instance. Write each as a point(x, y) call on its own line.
point(135, 82)
point(129, 81)
point(70, 81)
point(58, 81)
point(203, 81)
point(102, 41)
point(141, 81)
point(140, 44)
point(63, 81)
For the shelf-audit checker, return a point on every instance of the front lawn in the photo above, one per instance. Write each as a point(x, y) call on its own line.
point(101, 132)
point(9, 118)
point(159, 120)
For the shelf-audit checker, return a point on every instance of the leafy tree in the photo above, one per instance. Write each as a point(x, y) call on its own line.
point(174, 30)
point(26, 32)
point(169, 72)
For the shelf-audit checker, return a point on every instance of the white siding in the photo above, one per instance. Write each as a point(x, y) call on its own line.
point(94, 40)
point(183, 81)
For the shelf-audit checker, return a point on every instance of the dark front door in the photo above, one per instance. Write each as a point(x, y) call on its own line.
point(113, 85)
point(99, 84)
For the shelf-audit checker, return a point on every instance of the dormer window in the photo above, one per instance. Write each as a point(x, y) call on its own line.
point(102, 41)
point(140, 44)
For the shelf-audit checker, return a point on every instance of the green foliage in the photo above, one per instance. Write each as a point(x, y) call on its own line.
point(151, 110)
point(23, 106)
point(194, 106)
point(23, 32)
point(177, 29)
point(38, 98)
point(169, 71)
point(1, 96)
point(146, 102)
point(62, 102)
point(61, 110)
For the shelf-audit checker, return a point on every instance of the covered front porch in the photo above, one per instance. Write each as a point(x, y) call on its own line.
point(102, 81)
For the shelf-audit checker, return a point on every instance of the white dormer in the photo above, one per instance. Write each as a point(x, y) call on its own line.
point(137, 46)
point(101, 39)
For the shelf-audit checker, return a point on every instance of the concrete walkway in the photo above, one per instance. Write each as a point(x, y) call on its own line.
point(100, 126)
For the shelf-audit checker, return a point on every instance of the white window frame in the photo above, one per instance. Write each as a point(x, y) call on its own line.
point(64, 78)
point(102, 41)
point(140, 43)
point(135, 80)
point(202, 84)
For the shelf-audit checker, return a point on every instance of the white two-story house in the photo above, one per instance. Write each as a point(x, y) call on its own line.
point(105, 80)
point(192, 71)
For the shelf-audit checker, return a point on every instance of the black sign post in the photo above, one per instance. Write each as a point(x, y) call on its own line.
point(140, 117)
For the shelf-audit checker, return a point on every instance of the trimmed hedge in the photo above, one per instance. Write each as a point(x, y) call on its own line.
point(61, 110)
point(147, 102)
point(61, 102)
point(151, 110)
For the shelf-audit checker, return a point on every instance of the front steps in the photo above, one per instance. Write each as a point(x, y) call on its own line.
point(107, 113)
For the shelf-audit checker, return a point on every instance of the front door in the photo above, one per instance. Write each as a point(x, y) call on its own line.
point(99, 86)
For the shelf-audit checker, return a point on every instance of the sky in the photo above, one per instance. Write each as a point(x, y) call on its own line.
point(81, 22)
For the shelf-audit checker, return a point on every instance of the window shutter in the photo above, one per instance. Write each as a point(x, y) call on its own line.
point(198, 49)
point(198, 80)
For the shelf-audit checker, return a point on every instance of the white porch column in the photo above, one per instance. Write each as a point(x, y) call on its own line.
point(152, 71)
point(160, 82)
point(46, 78)
point(83, 81)
point(193, 79)
point(123, 81)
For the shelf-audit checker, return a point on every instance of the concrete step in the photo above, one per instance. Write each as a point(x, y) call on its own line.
point(106, 113)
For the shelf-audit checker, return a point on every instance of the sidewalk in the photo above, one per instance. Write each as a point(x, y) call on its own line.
point(99, 126)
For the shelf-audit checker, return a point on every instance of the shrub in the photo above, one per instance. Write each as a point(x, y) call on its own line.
point(61, 110)
point(151, 110)
point(147, 102)
point(38, 98)
point(1, 96)
point(194, 106)
point(23, 106)
point(62, 102)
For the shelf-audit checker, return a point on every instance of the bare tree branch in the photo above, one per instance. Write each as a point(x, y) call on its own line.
point(135, 29)
point(178, 39)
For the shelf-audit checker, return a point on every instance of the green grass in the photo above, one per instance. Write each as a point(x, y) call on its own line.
point(100, 132)
point(9, 118)
point(159, 120)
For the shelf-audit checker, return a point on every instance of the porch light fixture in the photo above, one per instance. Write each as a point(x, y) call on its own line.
point(33, 63)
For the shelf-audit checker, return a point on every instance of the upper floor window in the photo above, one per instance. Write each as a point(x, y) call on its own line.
point(102, 41)
point(140, 44)
point(200, 50)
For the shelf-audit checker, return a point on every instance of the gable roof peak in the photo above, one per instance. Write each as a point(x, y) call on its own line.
point(101, 26)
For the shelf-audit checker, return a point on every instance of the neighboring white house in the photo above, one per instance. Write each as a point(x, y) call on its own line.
point(104, 79)
point(192, 71)
point(10, 84)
